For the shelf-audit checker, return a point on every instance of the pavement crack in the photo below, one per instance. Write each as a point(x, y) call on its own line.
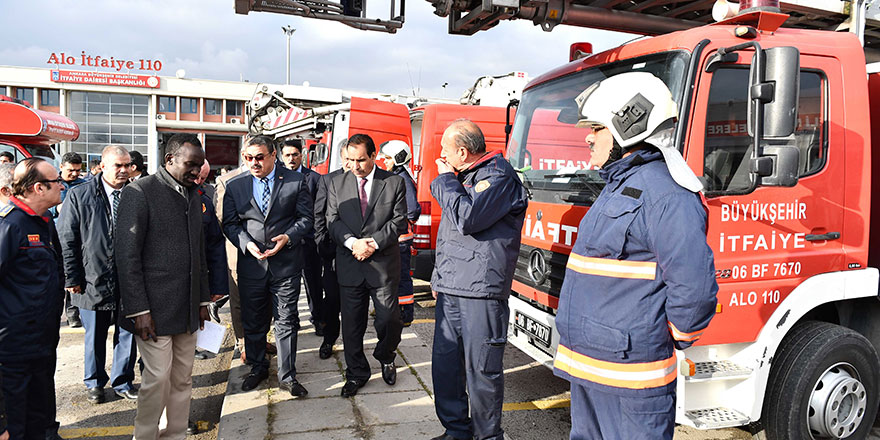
point(415, 373)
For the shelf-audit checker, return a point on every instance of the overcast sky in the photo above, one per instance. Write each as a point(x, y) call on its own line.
point(209, 40)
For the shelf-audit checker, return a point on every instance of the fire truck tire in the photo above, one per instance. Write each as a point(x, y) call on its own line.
point(824, 383)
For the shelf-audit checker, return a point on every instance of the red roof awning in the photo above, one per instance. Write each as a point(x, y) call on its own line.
point(27, 125)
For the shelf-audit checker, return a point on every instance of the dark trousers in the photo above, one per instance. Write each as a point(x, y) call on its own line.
point(331, 301)
point(355, 304)
point(405, 288)
point(311, 274)
point(71, 311)
point(29, 388)
point(604, 416)
point(261, 300)
point(97, 323)
point(467, 365)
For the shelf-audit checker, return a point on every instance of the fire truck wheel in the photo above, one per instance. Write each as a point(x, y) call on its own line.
point(823, 384)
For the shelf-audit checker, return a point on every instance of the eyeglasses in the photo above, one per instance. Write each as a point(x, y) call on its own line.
point(58, 180)
point(258, 158)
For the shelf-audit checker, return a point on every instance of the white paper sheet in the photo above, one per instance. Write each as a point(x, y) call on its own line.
point(211, 338)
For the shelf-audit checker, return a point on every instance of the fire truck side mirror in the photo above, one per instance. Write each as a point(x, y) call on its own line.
point(782, 71)
point(318, 154)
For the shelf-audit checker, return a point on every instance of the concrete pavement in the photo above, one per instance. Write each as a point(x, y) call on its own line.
point(405, 410)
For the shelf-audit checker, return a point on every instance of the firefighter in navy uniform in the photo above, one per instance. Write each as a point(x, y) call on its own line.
point(398, 152)
point(484, 206)
point(31, 297)
point(640, 280)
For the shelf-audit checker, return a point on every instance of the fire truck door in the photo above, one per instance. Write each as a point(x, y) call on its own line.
point(764, 239)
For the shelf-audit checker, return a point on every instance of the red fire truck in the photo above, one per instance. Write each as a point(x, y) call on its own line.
point(27, 132)
point(795, 339)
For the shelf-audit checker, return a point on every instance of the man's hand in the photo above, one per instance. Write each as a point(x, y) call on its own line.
point(71, 290)
point(434, 292)
point(361, 249)
point(215, 298)
point(255, 251)
point(443, 166)
point(280, 242)
point(203, 316)
point(372, 242)
point(5, 435)
point(144, 327)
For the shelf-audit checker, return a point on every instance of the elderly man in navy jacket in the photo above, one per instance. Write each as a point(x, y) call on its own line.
point(484, 206)
point(86, 234)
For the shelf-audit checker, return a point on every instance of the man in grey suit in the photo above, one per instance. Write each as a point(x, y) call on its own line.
point(266, 214)
point(163, 283)
point(365, 214)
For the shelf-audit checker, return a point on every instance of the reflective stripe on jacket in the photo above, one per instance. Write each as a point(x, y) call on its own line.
point(640, 281)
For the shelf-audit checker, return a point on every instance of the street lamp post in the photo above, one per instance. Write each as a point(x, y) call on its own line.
point(288, 30)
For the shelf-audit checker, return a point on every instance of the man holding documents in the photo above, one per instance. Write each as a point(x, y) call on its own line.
point(163, 283)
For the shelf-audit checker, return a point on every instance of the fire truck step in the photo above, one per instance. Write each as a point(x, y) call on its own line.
point(714, 418)
point(718, 370)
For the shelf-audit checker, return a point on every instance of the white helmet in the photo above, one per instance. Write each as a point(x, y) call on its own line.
point(635, 107)
point(398, 151)
point(632, 105)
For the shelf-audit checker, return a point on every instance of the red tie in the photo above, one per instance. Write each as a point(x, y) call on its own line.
point(363, 195)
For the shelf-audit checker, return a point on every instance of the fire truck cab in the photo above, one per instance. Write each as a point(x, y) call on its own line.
point(777, 123)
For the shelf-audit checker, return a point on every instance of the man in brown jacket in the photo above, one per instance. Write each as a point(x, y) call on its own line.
point(164, 283)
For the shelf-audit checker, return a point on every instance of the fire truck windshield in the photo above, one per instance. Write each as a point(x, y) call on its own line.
point(545, 145)
point(43, 151)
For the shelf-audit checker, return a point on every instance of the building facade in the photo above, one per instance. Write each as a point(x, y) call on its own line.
point(140, 112)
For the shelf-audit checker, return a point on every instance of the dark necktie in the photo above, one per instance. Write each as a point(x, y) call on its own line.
point(363, 195)
point(115, 210)
point(266, 193)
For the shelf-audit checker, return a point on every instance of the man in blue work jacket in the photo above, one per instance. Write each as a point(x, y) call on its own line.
point(398, 154)
point(30, 298)
point(641, 247)
point(484, 206)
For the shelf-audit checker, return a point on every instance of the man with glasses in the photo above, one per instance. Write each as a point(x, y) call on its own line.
point(86, 233)
point(266, 214)
point(30, 298)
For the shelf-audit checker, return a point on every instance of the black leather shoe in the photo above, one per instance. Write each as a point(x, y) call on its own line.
point(130, 394)
point(446, 437)
point(352, 386)
point(325, 351)
point(253, 379)
point(74, 323)
point(96, 395)
point(192, 428)
point(294, 388)
point(389, 373)
point(204, 354)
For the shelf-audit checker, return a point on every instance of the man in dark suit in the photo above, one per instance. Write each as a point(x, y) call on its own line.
point(266, 214)
point(366, 212)
point(292, 156)
point(327, 252)
point(163, 283)
point(86, 234)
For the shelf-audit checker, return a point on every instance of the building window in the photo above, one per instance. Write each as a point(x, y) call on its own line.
point(189, 105)
point(25, 94)
point(167, 104)
point(233, 108)
point(50, 97)
point(213, 106)
point(109, 118)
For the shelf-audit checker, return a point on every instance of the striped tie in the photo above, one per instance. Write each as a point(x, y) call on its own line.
point(266, 193)
point(115, 210)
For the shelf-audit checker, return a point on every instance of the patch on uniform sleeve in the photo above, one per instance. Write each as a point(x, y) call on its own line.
point(632, 192)
point(204, 208)
point(33, 238)
point(481, 186)
point(6, 210)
